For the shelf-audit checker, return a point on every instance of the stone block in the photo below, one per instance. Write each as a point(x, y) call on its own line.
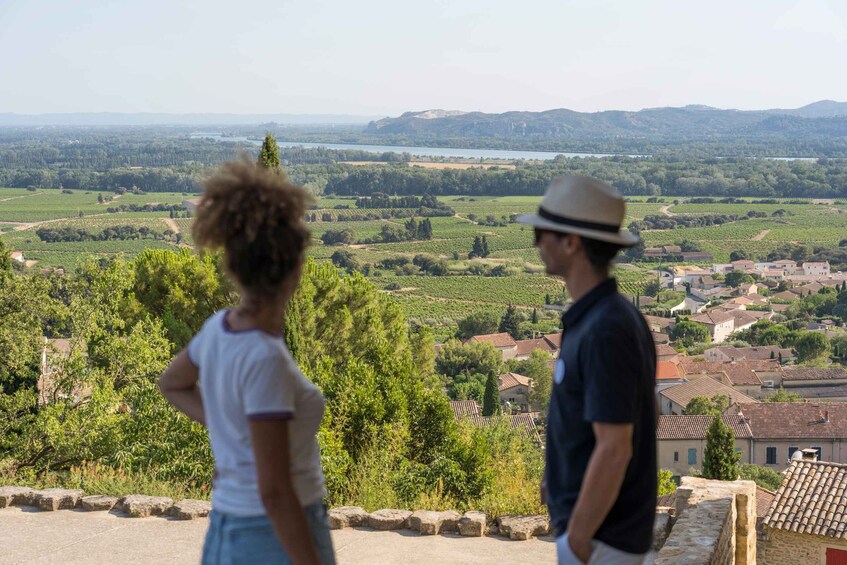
point(140, 506)
point(189, 509)
point(427, 522)
point(661, 529)
point(524, 527)
point(472, 524)
point(389, 519)
point(16, 496)
point(347, 517)
point(99, 503)
point(450, 522)
point(53, 499)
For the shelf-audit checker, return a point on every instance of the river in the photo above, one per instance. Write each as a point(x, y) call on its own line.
point(420, 151)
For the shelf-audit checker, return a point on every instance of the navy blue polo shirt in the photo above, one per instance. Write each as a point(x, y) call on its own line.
point(605, 373)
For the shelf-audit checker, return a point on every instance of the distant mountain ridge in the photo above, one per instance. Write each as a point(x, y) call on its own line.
point(824, 118)
point(157, 119)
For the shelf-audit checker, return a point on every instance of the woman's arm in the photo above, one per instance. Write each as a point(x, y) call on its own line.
point(178, 384)
point(273, 467)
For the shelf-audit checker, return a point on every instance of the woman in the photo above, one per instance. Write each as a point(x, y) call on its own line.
point(238, 378)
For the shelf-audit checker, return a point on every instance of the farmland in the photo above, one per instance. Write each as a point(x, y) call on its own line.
point(469, 285)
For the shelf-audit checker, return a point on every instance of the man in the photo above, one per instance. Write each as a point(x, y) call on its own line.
point(600, 476)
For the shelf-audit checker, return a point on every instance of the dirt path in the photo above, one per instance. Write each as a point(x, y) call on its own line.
point(761, 235)
point(21, 196)
point(20, 226)
point(464, 219)
point(666, 210)
point(172, 224)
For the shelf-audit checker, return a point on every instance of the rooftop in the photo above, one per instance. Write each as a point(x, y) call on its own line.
point(511, 380)
point(497, 340)
point(695, 427)
point(796, 420)
point(811, 500)
point(683, 393)
point(814, 373)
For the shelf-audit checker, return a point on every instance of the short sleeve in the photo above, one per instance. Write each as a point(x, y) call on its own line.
point(269, 389)
point(611, 374)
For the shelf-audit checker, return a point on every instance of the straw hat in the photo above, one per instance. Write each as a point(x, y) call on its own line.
point(583, 206)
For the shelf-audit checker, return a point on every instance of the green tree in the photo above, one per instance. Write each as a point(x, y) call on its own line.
point(720, 459)
point(737, 278)
point(541, 375)
point(701, 405)
point(688, 333)
point(763, 476)
point(476, 249)
point(478, 323)
point(5, 260)
point(666, 482)
point(491, 398)
point(811, 345)
point(269, 153)
point(510, 323)
point(783, 395)
point(470, 358)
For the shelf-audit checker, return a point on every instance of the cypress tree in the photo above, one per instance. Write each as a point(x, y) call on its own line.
point(509, 322)
point(269, 154)
point(534, 316)
point(476, 250)
point(485, 251)
point(491, 398)
point(720, 460)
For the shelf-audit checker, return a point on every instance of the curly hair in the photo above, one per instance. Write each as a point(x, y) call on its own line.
point(257, 217)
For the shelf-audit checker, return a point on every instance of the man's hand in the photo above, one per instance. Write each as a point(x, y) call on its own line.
point(581, 548)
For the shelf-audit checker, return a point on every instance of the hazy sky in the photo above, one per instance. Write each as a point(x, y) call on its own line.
point(383, 57)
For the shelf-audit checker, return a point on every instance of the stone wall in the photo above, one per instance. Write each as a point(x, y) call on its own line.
point(716, 524)
point(778, 547)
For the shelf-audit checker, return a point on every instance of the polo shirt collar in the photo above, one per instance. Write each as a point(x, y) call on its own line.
point(584, 304)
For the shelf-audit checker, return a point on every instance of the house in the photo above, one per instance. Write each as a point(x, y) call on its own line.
point(816, 269)
point(514, 390)
point(720, 324)
point(726, 354)
point(17, 256)
point(503, 342)
point(805, 523)
point(696, 257)
point(743, 265)
point(779, 429)
point(787, 265)
point(681, 440)
point(787, 295)
point(748, 376)
point(527, 346)
point(659, 324)
point(667, 375)
point(746, 289)
point(673, 400)
point(555, 340)
point(741, 319)
point(813, 376)
point(660, 338)
point(667, 353)
point(706, 282)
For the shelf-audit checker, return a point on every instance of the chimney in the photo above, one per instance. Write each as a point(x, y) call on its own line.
point(826, 416)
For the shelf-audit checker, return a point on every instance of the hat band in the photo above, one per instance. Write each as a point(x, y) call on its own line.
point(577, 223)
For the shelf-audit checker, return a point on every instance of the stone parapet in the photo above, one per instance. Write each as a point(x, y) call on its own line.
point(715, 525)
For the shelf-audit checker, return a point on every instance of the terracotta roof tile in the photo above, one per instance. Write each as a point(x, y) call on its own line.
point(796, 420)
point(814, 373)
point(511, 380)
point(554, 339)
point(527, 346)
point(764, 499)
point(683, 393)
point(675, 426)
point(464, 408)
point(497, 340)
point(737, 372)
point(667, 370)
point(811, 500)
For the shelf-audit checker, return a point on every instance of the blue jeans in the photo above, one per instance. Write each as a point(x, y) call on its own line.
point(231, 539)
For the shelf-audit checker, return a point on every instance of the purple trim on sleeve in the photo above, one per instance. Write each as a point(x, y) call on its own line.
point(282, 415)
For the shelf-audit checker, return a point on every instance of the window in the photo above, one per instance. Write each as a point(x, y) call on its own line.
point(820, 452)
point(771, 456)
point(676, 456)
point(791, 451)
point(692, 456)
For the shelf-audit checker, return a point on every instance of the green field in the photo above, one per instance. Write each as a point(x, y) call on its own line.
point(435, 300)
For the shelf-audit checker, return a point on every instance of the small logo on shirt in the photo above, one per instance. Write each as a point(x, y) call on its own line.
point(559, 375)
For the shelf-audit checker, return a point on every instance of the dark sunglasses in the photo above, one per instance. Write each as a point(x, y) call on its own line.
point(538, 232)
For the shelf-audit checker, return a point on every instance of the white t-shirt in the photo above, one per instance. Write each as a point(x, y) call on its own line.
point(250, 375)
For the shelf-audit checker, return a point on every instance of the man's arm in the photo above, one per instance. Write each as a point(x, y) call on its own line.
point(600, 486)
point(178, 384)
